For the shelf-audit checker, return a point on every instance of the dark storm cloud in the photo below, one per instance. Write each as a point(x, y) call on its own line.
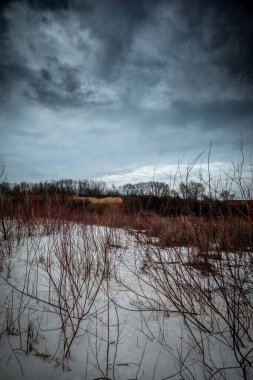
point(110, 22)
point(135, 41)
point(64, 91)
point(113, 23)
point(29, 66)
point(211, 114)
point(102, 76)
point(233, 31)
point(39, 4)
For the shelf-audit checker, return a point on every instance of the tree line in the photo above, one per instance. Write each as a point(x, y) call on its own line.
point(191, 190)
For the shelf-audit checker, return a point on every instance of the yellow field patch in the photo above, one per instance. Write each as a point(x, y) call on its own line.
point(104, 201)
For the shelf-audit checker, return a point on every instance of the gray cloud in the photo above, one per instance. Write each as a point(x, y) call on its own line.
point(122, 84)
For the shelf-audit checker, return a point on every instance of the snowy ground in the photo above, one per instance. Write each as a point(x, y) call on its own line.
point(80, 302)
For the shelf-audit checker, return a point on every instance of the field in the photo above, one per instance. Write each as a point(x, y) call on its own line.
point(149, 298)
point(141, 282)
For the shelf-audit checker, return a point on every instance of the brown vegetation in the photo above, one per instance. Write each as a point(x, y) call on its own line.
point(196, 255)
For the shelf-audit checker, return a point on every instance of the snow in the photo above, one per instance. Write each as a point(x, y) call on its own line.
point(123, 330)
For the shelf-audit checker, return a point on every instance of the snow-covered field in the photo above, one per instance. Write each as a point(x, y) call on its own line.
point(89, 302)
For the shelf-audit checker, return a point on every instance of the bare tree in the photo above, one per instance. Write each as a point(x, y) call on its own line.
point(2, 179)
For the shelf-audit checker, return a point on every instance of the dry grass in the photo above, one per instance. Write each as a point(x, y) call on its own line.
point(111, 201)
point(222, 234)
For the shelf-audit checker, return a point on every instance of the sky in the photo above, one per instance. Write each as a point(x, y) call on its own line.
point(123, 90)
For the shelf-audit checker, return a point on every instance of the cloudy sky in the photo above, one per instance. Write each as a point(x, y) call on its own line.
point(123, 89)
